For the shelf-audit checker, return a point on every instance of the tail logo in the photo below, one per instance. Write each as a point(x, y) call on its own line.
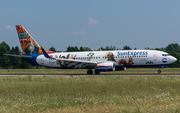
point(22, 35)
point(28, 44)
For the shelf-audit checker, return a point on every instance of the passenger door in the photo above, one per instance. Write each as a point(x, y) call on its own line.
point(155, 57)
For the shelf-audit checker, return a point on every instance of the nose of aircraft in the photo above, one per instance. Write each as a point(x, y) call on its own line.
point(173, 59)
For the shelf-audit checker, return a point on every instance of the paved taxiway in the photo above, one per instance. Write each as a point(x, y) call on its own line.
point(89, 75)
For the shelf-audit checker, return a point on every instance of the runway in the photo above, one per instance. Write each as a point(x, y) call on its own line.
point(90, 75)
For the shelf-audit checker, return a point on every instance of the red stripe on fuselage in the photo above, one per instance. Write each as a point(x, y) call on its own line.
point(104, 66)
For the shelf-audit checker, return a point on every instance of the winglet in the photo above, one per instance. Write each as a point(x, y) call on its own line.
point(45, 53)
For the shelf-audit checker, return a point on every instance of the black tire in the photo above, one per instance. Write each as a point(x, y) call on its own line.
point(89, 72)
point(96, 72)
point(159, 71)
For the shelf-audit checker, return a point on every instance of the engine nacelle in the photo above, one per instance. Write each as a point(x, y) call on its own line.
point(107, 66)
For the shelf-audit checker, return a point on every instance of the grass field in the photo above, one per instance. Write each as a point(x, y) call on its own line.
point(90, 94)
point(84, 71)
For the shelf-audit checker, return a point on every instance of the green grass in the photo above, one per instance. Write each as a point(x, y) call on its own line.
point(90, 94)
point(84, 71)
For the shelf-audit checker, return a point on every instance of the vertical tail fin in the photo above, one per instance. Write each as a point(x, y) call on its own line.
point(28, 44)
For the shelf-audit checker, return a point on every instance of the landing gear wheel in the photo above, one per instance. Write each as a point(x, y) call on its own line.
point(159, 71)
point(89, 72)
point(96, 72)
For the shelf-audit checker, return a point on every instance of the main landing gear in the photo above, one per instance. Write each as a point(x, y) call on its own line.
point(96, 71)
point(91, 72)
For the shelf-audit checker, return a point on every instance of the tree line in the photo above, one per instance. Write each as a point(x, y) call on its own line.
point(8, 62)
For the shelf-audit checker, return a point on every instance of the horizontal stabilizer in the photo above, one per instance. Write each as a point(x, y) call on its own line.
point(20, 56)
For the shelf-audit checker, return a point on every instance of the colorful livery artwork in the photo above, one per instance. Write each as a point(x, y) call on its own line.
point(97, 60)
point(28, 44)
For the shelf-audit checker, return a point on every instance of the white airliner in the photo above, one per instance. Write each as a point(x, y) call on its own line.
point(98, 60)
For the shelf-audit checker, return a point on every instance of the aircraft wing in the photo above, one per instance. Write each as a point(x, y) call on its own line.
point(20, 56)
point(75, 63)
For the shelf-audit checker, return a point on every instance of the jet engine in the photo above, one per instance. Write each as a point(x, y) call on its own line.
point(107, 66)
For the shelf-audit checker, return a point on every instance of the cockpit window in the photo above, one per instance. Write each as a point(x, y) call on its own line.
point(165, 55)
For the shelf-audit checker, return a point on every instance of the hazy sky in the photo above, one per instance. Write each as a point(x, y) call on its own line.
point(92, 23)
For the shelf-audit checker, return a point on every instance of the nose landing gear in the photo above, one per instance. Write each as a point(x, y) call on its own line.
point(159, 71)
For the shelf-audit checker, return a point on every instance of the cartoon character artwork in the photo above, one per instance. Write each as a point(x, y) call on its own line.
point(31, 48)
point(110, 56)
point(73, 57)
point(28, 44)
point(125, 63)
point(62, 63)
point(58, 61)
point(90, 56)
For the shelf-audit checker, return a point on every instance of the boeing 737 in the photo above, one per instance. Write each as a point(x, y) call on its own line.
point(98, 60)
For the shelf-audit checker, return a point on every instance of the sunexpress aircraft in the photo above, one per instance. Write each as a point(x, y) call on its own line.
point(98, 60)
